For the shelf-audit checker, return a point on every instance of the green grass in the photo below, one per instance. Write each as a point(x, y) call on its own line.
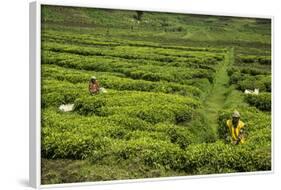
point(217, 95)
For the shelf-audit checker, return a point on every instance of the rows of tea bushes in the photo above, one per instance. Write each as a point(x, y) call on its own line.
point(165, 80)
point(95, 130)
point(193, 63)
point(163, 145)
point(143, 55)
point(167, 55)
point(116, 81)
point(202, 158)
point(244, 59)
point(88, 39)
point(257, 128)
point(150, 115)
point(145, 137)
point(152, 100)
point(145, 72)
point(54, 89)
point(57, 93)
point(163, 55)
point(251, 72)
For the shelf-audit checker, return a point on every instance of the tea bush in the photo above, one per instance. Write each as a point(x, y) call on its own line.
point(254, 71)
point(181, 137)
point(153, 153)
point(266, 60)
point(219, 158)
point(223, 131)
point(262, 101)
point(89, 105)
point(263, 83)
point(55, 93)
point(235, 77)
point(210, 158)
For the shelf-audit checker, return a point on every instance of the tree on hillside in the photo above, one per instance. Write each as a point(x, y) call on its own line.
point(139, 15)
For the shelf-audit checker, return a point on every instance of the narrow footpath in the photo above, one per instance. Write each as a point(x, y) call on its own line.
point(214, 102)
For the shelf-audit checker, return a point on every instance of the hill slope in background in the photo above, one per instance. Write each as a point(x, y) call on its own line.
point(163, 27)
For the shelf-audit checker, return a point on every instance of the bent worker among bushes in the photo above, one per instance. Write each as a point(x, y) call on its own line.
point(94, 86)
point(236, 128)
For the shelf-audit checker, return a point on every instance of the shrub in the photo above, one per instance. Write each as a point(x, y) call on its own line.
point(131, 123)
point(64, 145)
point(223, 131)
point(234, 78)
point(266, 60)
point(53, 98)
point(183, 115)
point(263, 83)
point(180, 136)
point(153, 153)
point(219, 157)
point(154, 114)
point(262, 101)
point(254, 71)
point(232, 70)
point(260, 138)
point(139, 134)
point(152, 107)
point(89, 105)
point(262, 158)
point(139, 15)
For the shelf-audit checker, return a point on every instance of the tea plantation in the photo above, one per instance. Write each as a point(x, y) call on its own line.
point(172, 81)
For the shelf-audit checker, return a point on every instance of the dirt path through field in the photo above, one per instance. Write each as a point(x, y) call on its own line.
point(217, 96)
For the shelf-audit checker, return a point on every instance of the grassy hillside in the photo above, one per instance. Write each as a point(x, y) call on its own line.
point(172, 80)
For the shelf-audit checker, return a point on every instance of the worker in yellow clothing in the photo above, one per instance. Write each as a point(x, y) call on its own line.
point(236, 128)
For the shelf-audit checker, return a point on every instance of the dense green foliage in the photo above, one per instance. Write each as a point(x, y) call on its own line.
point(172, 82)
point(261, 101)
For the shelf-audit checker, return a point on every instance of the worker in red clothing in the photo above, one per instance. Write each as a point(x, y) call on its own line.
point(94, 87)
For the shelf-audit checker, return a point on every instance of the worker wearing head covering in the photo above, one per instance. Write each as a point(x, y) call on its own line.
point(236, 128)
point(94, 87)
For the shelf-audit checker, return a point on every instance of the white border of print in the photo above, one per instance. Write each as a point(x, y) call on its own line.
point(35, 93)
